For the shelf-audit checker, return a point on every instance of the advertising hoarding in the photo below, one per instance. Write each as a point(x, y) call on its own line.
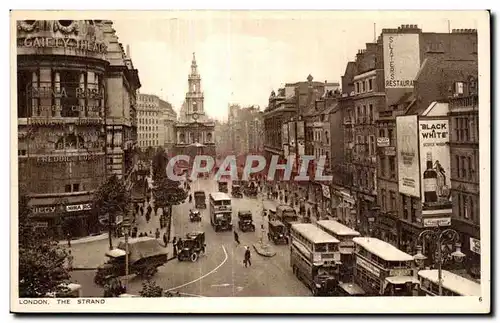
point(284, 134)
point(301, 147)
point(435, 162)
point(407, 151)
point(401, 59)
point(300, 129)
point(291, 133)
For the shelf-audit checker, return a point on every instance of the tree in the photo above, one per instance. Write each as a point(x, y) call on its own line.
point(41, 260)
point(150, 289)
point(112, 198)
point(159, 163)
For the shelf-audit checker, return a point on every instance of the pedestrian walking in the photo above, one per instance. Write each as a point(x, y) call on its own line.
point(68, 236)
point(179, 244)
point(70, 260)
point(247, 261)
point(150, 233)
point(174, 245)
point(190, 198)
point(165, 240)
point(236, 237)
point(157, 233)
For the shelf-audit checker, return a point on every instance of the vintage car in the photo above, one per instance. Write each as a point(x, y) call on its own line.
point(251, 189)
point(194, 215)
point(245, 221)
point(145, 256)
point(192, 247)
point(277, 232)
point(236, 191)
point(200, 200)
point(222, 186)
point(287, 215)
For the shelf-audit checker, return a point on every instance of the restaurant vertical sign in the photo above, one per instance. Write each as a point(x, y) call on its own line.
point(407, 152)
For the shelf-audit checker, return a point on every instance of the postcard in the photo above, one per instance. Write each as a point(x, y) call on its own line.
point(250, 162)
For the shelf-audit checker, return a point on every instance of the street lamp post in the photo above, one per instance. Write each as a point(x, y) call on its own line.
point(441, 238)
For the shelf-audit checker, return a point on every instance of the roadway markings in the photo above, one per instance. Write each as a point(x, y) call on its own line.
point(192, 295)
point(207, 274)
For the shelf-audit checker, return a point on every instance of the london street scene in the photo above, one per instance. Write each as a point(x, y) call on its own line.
point(230, 157)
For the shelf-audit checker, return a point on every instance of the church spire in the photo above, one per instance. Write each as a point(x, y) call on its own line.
point(194, 66)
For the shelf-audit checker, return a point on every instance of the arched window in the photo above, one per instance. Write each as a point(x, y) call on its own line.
point(182, 138)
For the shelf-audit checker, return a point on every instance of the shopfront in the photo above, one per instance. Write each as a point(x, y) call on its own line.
point(66, 216)
point(471, 246)
point(343, 206)
point(386, 228)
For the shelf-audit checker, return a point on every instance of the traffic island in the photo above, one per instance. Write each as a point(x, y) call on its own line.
point(264, 250)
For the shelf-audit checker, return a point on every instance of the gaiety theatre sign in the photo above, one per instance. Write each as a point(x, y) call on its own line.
point(65, 42)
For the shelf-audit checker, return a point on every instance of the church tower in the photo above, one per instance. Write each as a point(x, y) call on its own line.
point(194, 96)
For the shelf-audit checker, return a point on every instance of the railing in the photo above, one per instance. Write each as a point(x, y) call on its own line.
point(464, 102)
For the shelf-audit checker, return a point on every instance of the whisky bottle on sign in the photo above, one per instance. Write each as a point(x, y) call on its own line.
point(430, 181)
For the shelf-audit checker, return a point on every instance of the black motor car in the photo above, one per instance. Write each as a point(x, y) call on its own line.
point(194, 215)
point(245, 221)
point(236, 191)
point(192, 247)
point(277, 232)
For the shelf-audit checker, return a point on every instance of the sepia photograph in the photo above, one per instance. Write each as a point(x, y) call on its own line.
point(250, 161)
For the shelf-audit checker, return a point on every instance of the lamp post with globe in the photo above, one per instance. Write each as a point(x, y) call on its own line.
point(441, 238)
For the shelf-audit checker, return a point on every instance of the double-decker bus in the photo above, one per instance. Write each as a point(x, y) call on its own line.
point(346, 246)
point(452, 284)
point(220, 211)
point(314, 258)
point(382, 269)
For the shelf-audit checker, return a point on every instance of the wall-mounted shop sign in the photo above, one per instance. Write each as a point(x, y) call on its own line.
point(78, 207)
point(475, 245)
point(63, 91)
point(64, 42)
point(383, 141)
point(64, 159)
point(437, 222)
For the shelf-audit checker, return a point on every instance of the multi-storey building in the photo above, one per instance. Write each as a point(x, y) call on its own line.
point(245, 129)
point(168, 119)
point(194, 129)
point(464, 151)
point(156, 120)
point(76, 118)
point(361, 106)
point(438, 59)
point(148, 117)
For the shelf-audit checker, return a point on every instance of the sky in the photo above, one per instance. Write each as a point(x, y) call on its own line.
point(242, 56)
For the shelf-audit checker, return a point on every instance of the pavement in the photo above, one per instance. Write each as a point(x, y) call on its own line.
point(90, 252)
point(220, 272)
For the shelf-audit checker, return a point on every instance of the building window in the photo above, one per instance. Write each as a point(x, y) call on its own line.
point(393, 200)
point(381, 133)
point(327, 139)
point(357, 87)
point(457, 166)
point(413, 211)
point(382, 166)
point(382, 200)
point(370, 85)
point(463, 172)
point(392, 167)
point(405, 207)
point(471, 169)
point(372, 145)
point(67, 188)
point(76, 187)
point(363, 85)
point(390, 134)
